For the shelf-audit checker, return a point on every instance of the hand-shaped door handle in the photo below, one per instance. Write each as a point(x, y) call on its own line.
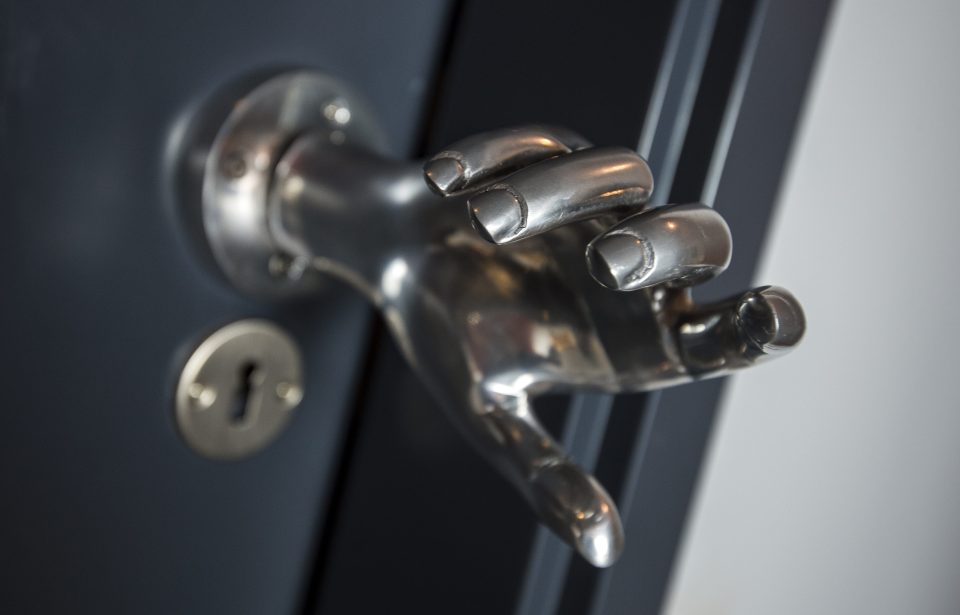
point(485, 263)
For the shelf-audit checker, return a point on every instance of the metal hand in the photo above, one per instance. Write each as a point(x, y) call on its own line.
point(488, 327)
point(529, 181)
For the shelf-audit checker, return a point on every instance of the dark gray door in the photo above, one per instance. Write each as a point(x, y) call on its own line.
point(106, 510)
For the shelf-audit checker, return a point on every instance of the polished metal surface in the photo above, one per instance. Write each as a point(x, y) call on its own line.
point(485, 263)
point(238, 389)
point(235, 169)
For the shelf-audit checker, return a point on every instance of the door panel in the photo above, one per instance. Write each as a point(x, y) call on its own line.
point(105, 508)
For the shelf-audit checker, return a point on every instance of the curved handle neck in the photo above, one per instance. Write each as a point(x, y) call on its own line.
point(350, 212)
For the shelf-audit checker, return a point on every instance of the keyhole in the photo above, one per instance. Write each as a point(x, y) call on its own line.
point(249, 380)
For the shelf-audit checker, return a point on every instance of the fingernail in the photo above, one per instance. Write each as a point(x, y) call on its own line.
point(497, 215)
point(444, 175)
point(621, 261)
point(772, 318)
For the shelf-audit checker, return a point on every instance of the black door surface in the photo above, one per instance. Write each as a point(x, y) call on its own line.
point(106, 510)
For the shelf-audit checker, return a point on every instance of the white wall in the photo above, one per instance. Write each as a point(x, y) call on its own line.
point(833, 482)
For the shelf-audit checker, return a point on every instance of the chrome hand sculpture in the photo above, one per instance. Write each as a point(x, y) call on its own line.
point(514, 263)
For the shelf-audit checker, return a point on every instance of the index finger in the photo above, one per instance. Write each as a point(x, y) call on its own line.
point(497, 153)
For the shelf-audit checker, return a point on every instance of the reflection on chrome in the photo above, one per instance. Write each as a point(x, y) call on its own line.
point(391, 282)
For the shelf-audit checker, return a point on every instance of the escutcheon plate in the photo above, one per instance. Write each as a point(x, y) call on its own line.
point(238, 389)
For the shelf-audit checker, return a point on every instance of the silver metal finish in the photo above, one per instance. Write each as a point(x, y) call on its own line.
point(489, 327)
point(239, 166)
point(475, 159)
point(679, 245)
point(238, 389)
point(528, 203)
